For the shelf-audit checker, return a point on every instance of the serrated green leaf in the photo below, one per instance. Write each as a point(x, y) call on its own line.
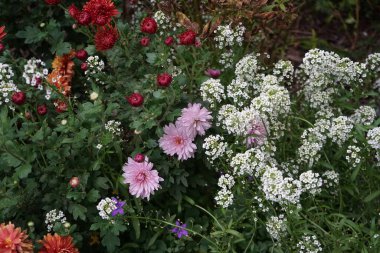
point(93, 195)
point(111, 241)
point(78, 211)
point(24, 170)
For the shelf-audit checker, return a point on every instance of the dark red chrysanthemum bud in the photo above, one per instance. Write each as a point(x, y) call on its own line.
point(74, 11)
point(214, 73)
point(139, 158)
point(81, 54)
point(52, 2)
point(148, 25)
point(84, 18)
point(169, 41)
point(135, 99)
point(42, 110)
point(28, 115)
point(145, 41)
point(2, 47)
point(74, 182)
point(187, 38)
point(164, 79)
point(18, 98)
point(84, 66)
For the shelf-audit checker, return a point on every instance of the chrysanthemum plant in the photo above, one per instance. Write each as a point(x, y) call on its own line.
point(154, 136)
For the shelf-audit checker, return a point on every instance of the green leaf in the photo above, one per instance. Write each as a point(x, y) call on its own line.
point(111, 241)
point(153, 239)
point(234, 233)
point(8, 202)
point(136, 227)
point(24, 170)
point(60, 48)
point(372, 196)
point(31, 34)
point(78, 211)
point(101, 182)
point(93, 195)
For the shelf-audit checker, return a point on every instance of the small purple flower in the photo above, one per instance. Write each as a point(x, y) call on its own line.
point(119, 207)
point(180, 230)
point(214, 73)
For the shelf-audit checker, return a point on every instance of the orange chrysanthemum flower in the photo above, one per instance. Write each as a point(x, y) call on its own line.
point(63, 72)
point(57, 244)
point(2, 32)
point(101, 11)
point(13, 240)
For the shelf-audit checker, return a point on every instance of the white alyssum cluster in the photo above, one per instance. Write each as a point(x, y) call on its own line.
point(311, 182)
point(95, 65)
point(164, 23)
point(226, 36)
point(373, 138)
point(283, 70)
point(330, 178)
point(364, 115)
point(226, 59)
point(251, 162)
point(372, 63)
point(247, 68)
point(280, 189)
point(340, 129)
point(276, 226)
point(113, 127)
point(309, 244)
point(7, 86)
point(52, 217)
point(313, 140)
point(212, 91)
point(225, 196)
point(237, 90)
point(353, 157)
point(215, 147)
point(323, 73)
point(105, 207)
point(35, 72)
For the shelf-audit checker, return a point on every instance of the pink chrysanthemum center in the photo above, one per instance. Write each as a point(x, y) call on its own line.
point(178, 140)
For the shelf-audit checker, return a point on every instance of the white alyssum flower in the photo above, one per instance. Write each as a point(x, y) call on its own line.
point(353, 157)
point(7, 86)
point(35, 72)
point(373, 138)
point(94, 95)
point(215, 147)
point(224, 198)
point(163, 22)
point(309, 244)
point(283, 70)
point(330, 178)
point(212, 91)
point(340, 129)
point(364, 115)
point(52, 217)
point(226, 181)
point(105, 207)
point(311, 182)
point(226, 36)
point(113, 127)
point(276, 226)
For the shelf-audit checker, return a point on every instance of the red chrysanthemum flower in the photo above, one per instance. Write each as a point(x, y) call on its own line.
point(105, 38)
point(73, 11)
point(169, 41)
point(135, 99)
point(60, 106)
point(144, 41)
point(19, 98)
point(164, 79)
point(42, 109)
point(81, 54)
point(83, 18)
point(2, 32)
point(187, 38)
point(148, 25)
point(57, 244)
point(52, 2)
point(101, 11)
point(13, 240)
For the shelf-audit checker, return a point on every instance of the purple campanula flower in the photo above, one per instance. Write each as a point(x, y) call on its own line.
point(119, 207)
point(180, 230)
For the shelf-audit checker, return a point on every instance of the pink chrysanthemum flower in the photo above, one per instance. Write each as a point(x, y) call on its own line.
point(177, 141)
point(257, 133)
point(195, 119)
point(141, 177)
